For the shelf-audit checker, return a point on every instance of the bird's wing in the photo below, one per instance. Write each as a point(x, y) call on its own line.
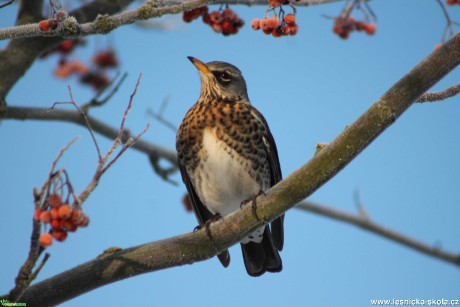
point(277, 225)
point(202, 214)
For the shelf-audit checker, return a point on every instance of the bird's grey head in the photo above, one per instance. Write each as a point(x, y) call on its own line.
point(221, 80)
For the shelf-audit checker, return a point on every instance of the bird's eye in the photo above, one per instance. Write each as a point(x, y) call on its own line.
point(225, 77)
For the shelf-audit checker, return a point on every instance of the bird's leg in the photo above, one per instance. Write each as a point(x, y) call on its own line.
point(253, 201)
point(207, 224)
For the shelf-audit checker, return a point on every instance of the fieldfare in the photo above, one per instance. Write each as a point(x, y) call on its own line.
point(227, 155)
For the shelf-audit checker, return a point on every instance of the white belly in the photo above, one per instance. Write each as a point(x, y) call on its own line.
point(224, 184)
point(224, 181)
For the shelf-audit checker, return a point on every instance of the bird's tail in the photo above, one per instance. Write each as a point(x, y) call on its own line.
point(261, 257)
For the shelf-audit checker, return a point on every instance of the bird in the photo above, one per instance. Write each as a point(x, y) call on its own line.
point(226, 155)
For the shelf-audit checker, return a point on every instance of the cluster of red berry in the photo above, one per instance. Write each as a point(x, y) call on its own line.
point(343, 26)
point(94, 76)
point(275, 26)
point(61, 217)
point(52, 23)
point(452, 2)
point(225, 21)
point(64, 47)
point(276, 3)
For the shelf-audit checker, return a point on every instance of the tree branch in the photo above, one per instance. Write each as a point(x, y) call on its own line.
point(437, 96)
point(286, 194)
point(26, 113)
point(104, 24)
point(365, 223)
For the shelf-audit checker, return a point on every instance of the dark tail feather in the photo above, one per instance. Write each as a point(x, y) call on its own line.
point(277, 230)
point(224, 258)
point(261, 257)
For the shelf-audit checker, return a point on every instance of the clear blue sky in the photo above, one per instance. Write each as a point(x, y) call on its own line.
point(309, 87)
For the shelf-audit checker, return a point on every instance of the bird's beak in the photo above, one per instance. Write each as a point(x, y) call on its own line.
point(199, 65)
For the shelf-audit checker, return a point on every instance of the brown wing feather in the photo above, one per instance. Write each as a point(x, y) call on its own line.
point(277, 225)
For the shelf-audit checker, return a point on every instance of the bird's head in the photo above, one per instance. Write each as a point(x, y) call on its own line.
point(222, 81)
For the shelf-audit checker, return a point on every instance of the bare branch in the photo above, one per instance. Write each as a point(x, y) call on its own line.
point(45, 114)
point(437, 96)
point(6, 4)
point(95, 102)
point(367, 224)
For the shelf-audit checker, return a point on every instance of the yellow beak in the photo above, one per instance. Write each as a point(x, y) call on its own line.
point(199, 65)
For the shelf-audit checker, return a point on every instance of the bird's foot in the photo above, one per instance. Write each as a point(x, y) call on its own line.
point(253, 201)
point(207, 225)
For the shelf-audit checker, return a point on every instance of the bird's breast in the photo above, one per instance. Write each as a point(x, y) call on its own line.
point(224, 177)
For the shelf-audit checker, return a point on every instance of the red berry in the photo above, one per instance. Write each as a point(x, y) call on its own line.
point(46, 239)
point(61, 15)
point(344, 34)
point(105, 59)
point(293, 29)
point(289, 19)
point(54, 213)
point(229, 15)
point(59, 234)
point(37, 213)
point(227, 27)
point(370, 28)
point(207, 19)
point(273, 22)
point(264, 25)
point(217, 27)
point(53, 23)
point(287, 30)
point(77, 216)
point(274, 3)
point(44, 26)
point(84, 221)
point(360, 25)
point(65, 212)
point(69, 225)
point(436, 47)
point(255, 24)
point(267, 31)
point(45, 217)
point(55, 201)
point(338, 28)
point(216, 17)
point(451, 2)
point(277, 32)
point(56, 223)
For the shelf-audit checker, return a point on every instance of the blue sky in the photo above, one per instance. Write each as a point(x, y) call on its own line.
point(309, 87)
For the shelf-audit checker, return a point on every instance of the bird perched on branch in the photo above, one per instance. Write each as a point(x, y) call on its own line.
point(227, 155)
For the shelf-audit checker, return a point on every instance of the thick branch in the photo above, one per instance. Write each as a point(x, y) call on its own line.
point(369, 225)
point(23, 113)
point(323, 166)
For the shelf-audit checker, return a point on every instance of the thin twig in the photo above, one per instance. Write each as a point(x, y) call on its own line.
point(88, 125)
point(369, 225)
point(40, 266)
point(438, 96)
point(119, 139)
point(159, 115)
point(103, 166)
point(95, 102)
point(61, 153)
point(6, 4)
